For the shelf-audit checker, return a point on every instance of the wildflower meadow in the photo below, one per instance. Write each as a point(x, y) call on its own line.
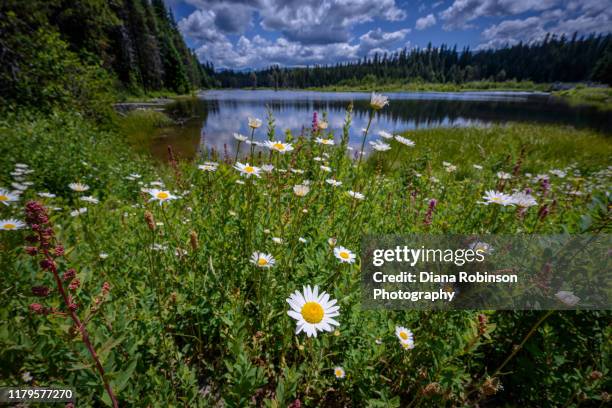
point(234, 279)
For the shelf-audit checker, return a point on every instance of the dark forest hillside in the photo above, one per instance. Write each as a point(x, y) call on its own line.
point(55, 50)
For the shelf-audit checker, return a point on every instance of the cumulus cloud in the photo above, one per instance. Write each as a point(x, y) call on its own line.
point(459, 14)
point(309, 31)
point(583, 18)
point(425, 22)
point(259, 52)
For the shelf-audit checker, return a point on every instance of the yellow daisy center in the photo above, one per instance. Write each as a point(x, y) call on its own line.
point(338, 372)
point(344, 255)
point(279, 146)
point(312, 312)
point(496, 199)
point(9, 226)
point(249, 169)
point(404, 335)
point(3, 198)
point(162, 195)
point(262, 261)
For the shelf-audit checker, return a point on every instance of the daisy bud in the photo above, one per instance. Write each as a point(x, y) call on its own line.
point(150, 220)
point(69, 274)
point(482, 324)
point(193, 239)
point(30, 250)
point(105, 288)
point(432, 389)
point(46, 264)
point(596, 375)
point(73, 306)
point(59, 250)
point(37, 308)
point(74, 285)
point(40, 291)
point(543, 212)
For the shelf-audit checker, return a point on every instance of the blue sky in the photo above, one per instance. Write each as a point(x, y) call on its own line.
point(243, 34)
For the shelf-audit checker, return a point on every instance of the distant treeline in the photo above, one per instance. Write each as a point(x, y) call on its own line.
point(551, 60)
point(52, 50)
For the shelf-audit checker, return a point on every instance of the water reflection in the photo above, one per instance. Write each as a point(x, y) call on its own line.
point(210, 121)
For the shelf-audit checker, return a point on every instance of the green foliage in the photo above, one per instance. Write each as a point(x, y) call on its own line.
point(191, 322)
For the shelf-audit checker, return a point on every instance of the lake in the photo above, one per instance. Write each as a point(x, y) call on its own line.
point(209, 121)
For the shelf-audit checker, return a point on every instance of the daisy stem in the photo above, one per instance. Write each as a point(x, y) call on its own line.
point(237, 151)
point(252, 145)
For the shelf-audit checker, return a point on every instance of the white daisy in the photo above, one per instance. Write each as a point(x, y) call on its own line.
point(483, 247)
point(477, 166)
point(380, 146)
point(262, 260)
point(385, 135)
point(333, 182)
point(254, 122)
point(103, 255)
point(523, 200)
point(6, 196)
point(405, 141)
point(326, 168)
point(344, 255)
point(378, 101)
point(21, 165)
point(159, 247)
point(157, 183)
point(558, 173)
point(46, 195)
point(76, 213)
point(339, 372)
point(313, 311)
point(11, 224)
point(404, 335)
point(26, 376)
point(161, 195)
point(355, 195)
point(496, 197)
point(503, 175)
point(328, 142)
point(78, 187)
point(567, 297)
point(301, 190)
point(277, 240)
point(297, 171)
point(208, 166)
point(332, 242)
point(302, 240)
point(20, 186)
point(240, 138)
point(267, 168)
point(247, 169)
point(90, 199)
point(323, 125)
point(278, 146)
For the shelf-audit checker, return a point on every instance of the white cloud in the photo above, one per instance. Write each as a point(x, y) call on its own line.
point(259, 52)
point(459, 14)
point(583, 18)
point(425, 22)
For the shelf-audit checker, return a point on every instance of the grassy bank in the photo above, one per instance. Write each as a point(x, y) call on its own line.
point(599, 97)
point(188, 320)
point(437, 87)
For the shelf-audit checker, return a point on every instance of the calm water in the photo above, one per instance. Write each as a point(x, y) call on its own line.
point(210, 121)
